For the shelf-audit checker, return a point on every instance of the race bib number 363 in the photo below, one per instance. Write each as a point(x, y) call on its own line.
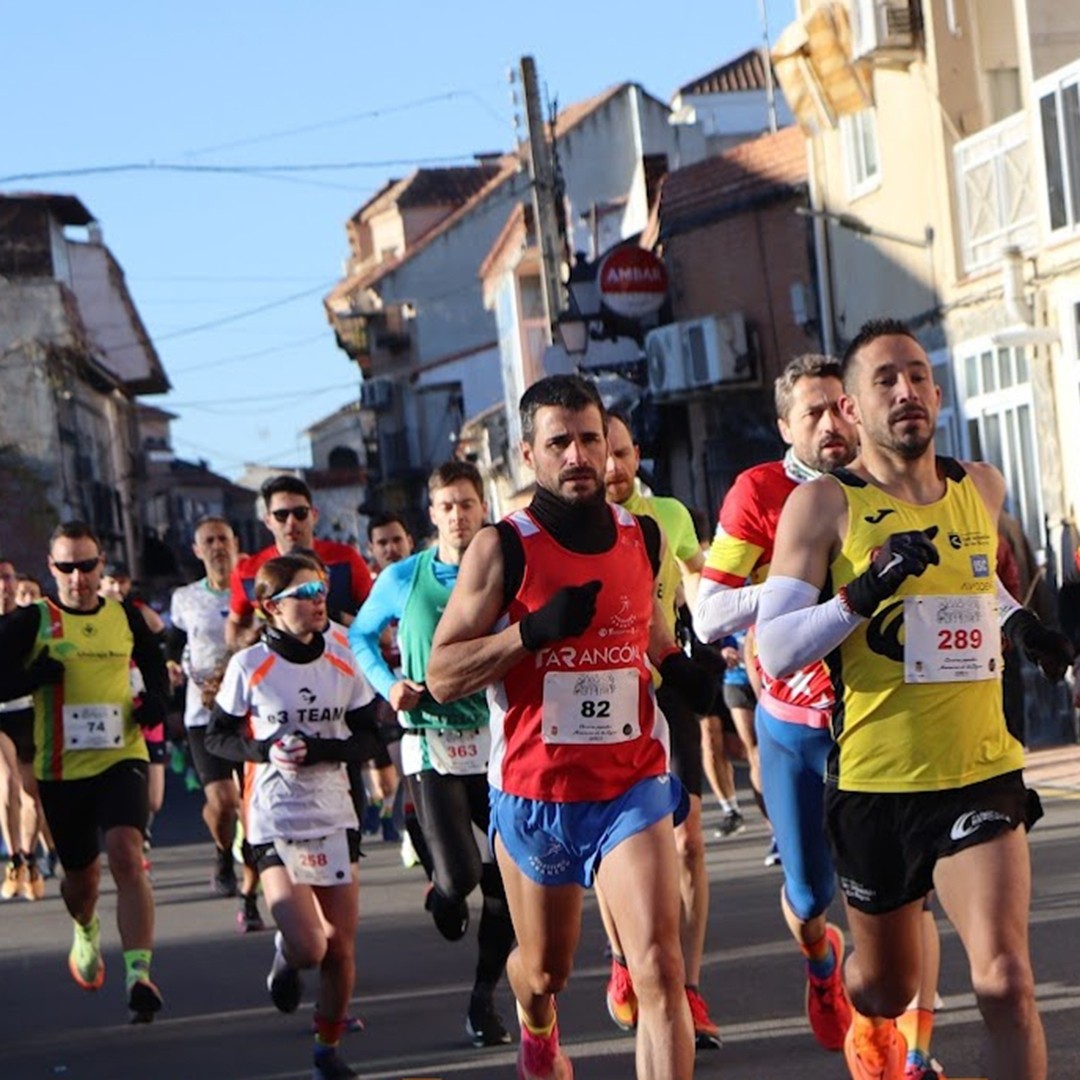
point(951, 639)
point(591, 706)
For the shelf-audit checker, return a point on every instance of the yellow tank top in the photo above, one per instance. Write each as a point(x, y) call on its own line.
point(918, 686)
point(84, 725)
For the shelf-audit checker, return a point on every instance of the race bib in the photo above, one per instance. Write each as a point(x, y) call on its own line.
point(459, 753)
point(93, 727)
point(591, 706)
point(321, 861)
point(951, 639)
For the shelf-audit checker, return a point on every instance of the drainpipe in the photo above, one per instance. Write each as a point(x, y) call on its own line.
point(822, 256)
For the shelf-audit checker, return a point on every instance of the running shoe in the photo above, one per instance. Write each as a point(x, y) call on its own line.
point(621, 999)
point(389, 830)
point(451, 918)
point(14, 881)
point(483, 1024)
point(144, 1001)
point(920, 1067)
point(223, 881)
point(541, 1057)
point(409, 858)
point(84, 961)
point(328, 1066)
point(34, 886)
point(284, 983)
point(248, 919)
point(731, 823)
point(706, 1032)
point(874, 1053)
point(772, 856)
point(827, 1006)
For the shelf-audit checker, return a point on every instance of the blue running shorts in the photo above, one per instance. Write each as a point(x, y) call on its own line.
point(793, 758)
point(562, 843)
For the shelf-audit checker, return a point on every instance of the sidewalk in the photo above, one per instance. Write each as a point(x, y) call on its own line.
point(1056, 770)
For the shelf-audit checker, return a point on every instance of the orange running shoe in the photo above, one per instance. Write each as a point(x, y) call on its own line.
point(706, 1033)
point(874, 1052)
point(621, 999)
point(827, 1006)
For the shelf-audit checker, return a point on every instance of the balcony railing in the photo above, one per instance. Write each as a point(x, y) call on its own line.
point(995, 183)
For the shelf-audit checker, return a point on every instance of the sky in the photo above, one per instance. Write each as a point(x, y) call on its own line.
point(228, 269)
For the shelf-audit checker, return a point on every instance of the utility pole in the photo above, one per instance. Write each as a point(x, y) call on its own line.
point(770, 89)
point(542, 171)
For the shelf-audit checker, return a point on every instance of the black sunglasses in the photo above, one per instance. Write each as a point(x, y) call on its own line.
point(84, 566)
point(299, 512)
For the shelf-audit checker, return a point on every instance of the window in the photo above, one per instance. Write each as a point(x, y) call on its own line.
point(1059, 115)
point(1000, 422)
point(858, 136)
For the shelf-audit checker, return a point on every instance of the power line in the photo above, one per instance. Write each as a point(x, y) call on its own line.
point(239, 357)
point(288, 394)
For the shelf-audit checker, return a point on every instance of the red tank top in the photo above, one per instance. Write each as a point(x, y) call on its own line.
point(577, 721)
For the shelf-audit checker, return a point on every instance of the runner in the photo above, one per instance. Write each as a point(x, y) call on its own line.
point(90, 761)
point(445, 748)
point(291, 518)
point(197, 655)
point(18, 789)
point(680, 570)
point(295, 711)
point(924, 784)
point(579, 757)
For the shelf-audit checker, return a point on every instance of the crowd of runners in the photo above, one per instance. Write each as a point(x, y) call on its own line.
point(536, 707)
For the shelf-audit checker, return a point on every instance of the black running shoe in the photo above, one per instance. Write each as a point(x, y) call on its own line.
point(284, 982)
point(328, 1066)
point(223, 883)
point(484, 1025)
point(144, 1000)
point(451, 917)
point(248, 919)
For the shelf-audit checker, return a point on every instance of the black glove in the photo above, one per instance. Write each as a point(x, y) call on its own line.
point(148, 711)
point(567, 614)
point(693, 681)
point(45, 670)
point(1048, 648)
point(903, 555)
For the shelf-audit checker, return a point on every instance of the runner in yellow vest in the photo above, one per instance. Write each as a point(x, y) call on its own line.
point(75, 655)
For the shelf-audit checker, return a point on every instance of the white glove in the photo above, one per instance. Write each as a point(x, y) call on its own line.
point(288, 753)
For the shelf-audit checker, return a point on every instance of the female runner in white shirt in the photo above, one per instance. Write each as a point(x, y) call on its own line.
point(296, 711)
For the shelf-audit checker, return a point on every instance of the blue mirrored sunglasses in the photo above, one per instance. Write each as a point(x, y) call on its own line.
point(308, 590)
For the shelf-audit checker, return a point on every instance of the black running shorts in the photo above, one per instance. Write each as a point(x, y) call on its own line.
point(886, 846)
point(76, 809)
point(209, 767)
point(18, 726)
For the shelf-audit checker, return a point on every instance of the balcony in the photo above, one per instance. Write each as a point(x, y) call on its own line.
point(995, 184)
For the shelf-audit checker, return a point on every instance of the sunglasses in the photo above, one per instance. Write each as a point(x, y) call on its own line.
point(299, 512)
point(308, 590)
point(84, 566)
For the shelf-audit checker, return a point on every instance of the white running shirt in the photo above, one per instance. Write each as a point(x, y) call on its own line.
point(201, 612)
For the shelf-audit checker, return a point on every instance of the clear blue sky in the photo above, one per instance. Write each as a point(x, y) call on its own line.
point(274, 83)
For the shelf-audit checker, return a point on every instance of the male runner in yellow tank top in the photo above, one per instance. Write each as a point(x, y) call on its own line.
point(886, 569)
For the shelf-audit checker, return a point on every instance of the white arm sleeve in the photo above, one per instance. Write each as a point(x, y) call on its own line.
point(721, 610)
point(794, 630)
point(1007, 604)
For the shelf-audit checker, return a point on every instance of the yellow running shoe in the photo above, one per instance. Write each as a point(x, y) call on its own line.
point(84, 961)
point(14, 881)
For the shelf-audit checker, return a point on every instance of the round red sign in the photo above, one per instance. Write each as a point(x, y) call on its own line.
point(632, 282)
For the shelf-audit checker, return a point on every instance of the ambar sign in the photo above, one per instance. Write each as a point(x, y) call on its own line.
point(632, 282)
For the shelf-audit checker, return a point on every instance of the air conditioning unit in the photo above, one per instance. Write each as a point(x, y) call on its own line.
point(885, 29)
point(715, 350)
point(664, 360)
point(376, 393)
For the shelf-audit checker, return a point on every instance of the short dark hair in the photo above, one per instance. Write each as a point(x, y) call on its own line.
point(25, 577)
point(869, 332)
point(573, 392)
point(450, 472)
point(74, 530)
point(809, 365)
point(624, 418)
point(212, 519)
point(384, 518)
point(284, 485)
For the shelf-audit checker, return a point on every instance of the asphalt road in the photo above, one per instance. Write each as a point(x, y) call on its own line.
point(412, 986)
